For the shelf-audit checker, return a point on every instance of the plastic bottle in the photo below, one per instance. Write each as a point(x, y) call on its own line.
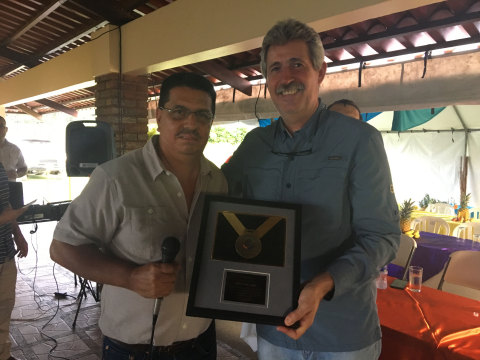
point(382, 278)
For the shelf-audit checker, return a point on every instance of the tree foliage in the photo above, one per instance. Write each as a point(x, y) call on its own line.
point(219, 134)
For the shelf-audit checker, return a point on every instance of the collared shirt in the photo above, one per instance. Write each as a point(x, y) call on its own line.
point(337, 169)
point(7, 248)
point(11, 157)
point(129, 206)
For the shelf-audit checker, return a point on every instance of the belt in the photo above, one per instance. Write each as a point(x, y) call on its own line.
point(145, 348)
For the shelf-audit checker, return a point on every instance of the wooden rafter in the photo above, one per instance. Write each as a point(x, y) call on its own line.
point(392, 33)
point(33, 60)
point(47, 9)
point(29, 111)
point(58, 106)
point(225, 75)
point(110, 10)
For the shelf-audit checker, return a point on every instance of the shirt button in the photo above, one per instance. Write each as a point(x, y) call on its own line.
point(289, 185)
point(179, 194)
point(150, 211)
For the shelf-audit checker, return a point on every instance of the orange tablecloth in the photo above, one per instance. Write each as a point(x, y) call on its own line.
point(430, 325)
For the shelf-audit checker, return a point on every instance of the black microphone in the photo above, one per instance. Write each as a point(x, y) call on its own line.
point(170, 248)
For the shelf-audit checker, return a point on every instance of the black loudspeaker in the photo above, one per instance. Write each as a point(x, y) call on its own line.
point(88, 144)
point(15, 194)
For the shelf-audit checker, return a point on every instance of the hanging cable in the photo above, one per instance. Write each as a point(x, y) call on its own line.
point(428, 55)
point(256, 101)
point(360, 68)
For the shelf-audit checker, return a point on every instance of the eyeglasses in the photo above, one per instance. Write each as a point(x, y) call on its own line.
point(179, 113)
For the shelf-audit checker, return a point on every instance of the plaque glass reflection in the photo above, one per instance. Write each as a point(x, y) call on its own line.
point(247, 264)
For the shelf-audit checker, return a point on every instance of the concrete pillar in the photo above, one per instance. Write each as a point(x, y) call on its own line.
point(123, 104)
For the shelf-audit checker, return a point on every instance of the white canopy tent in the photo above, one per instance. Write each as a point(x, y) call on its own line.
point(427, 159)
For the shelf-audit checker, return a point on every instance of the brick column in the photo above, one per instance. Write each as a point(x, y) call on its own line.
point(123, 104)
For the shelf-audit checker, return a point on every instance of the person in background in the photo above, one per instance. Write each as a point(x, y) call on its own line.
point(10, 155)
point(346, 107)
point(338, 171)
point(113, 232)
point(8, 270)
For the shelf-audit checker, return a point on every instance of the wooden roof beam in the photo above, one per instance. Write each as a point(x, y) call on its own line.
point(32, 60)
point(48, 8)
point(29, 111)
point(227, 76)
point(429, 26)
point(58, 106)
point(15, 56)
point(110, 10)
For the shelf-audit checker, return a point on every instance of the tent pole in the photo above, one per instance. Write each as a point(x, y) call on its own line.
point(464, 161)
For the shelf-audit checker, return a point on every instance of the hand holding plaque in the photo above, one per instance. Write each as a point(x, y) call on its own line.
point(247, 262)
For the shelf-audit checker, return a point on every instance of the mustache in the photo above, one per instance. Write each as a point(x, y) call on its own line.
point(293, 86)
point(192, 132)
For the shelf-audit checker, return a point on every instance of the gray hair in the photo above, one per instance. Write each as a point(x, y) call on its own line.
point(288, 30)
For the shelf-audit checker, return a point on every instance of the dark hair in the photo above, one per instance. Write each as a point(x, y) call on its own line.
point(288, 30)
point(346, 102)
point(190, 80)
point(2, 119)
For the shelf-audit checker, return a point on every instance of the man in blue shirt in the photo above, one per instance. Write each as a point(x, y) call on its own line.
point(336, 167)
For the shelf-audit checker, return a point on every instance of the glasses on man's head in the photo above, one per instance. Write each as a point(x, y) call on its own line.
point(180, 113)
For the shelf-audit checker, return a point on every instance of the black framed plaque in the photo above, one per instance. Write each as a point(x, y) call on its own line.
point(247, 264)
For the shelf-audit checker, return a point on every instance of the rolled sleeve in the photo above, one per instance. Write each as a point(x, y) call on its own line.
point(91, 218)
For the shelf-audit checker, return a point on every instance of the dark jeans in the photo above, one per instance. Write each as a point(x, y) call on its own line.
point(204, 348)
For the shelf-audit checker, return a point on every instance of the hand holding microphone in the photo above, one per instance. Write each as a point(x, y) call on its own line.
point(170, 248)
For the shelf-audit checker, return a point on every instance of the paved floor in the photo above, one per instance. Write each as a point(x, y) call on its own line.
point(41, 327)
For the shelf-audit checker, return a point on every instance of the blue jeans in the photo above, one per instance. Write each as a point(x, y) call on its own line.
point(268, 351)
point(204, 348)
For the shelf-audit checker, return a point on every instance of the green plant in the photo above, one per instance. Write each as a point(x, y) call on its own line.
point(426, 201)
point(219, 134)
point(152, 131)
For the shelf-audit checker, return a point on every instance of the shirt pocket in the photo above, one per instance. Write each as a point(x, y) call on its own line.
point(147, 227)
point(262, 184)
point(323, 192)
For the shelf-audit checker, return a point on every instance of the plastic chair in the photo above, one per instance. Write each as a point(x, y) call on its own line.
point(466, 230)
point(475, 213)
point(430, 224)
point(462, 270)
point(405, 253)
point(442, 208)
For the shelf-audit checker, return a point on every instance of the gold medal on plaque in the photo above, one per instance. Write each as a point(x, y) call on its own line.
point(248, 244)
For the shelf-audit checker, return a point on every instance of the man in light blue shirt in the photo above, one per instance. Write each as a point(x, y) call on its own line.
point(336, 167)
